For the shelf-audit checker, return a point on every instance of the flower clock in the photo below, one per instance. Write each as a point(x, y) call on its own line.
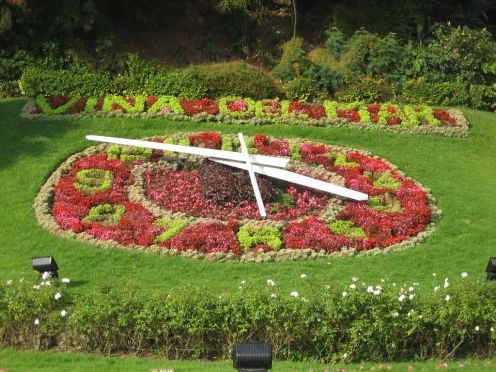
point(176, 203)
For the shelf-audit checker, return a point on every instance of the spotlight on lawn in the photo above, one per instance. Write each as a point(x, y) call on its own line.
point(252, 357)
point(46, 264)
point(491, 269)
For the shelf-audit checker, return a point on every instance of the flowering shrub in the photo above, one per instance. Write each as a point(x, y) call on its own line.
point(183, 203)
point(411, 118)
point(354, 322)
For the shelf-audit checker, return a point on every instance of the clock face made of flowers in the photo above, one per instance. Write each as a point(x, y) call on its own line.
point(177, 203)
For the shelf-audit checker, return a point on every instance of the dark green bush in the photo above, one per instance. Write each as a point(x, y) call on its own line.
point(40, 81)
point(236, 79)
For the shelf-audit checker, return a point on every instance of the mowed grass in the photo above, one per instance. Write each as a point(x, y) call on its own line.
point(33, 361)
point(461, 173)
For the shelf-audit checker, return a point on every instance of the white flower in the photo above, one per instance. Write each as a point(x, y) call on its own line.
point(63, 313)
point(433, 274)
point(382, 280)
point(370, 289)
point(243, 282)
point(303, 276)
point(344, 294)
point(45, 275)
point(352, 286)
point(66, 280)
point(354, 279)
point(447, 298)
point(396, 314)
point(36, 321)
point(378, 287)
point(410, 313)
point(377, 292)
point(477, 328)
point(294, 294)
point(401, 298)
point(327, 286)
point(304, 299)
point(57, 295)
point(492, 329)
point(271, 282)
point(464, 274)
point(273, 295)
point(9, 282)
point(412, 296)
point(446, 285)
point(436, 288)
point(410, 289)
point(36, 287)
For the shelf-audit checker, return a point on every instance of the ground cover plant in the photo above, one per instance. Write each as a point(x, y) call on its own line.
point(458, 171)
point(172, 203)
point(232, 109)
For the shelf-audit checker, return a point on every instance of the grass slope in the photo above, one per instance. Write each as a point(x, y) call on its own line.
point(460, 172)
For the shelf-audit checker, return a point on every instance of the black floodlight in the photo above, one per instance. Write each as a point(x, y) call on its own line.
point(252, 357)
point(46, 264)
point(491, 269)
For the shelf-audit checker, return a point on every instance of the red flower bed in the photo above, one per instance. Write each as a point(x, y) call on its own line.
point(265, 146)
point(313, 111)
point(444, 117)
point(93, 197)
point(199, 106)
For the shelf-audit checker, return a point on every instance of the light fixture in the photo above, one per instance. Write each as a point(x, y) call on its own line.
point(491, 269)
point(255, 357)
point(46, 264)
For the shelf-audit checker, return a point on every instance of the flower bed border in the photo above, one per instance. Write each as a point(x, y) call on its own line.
point(44, 215)
point(237, 110)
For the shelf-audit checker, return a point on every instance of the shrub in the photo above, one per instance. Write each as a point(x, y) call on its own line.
point(460, 52)
point(424, 92)
point(237, 79)
point(292, 56)
point(367, 90)
point(37, 81)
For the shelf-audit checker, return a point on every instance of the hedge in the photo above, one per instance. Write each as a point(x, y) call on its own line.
point(374, 322)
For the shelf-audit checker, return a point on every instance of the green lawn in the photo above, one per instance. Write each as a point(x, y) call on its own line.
point(460, 172)
point(33, 361)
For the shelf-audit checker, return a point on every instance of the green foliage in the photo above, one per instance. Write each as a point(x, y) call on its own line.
point(461, 52)
point(37, 81)
point(424, 92)
point(366, 90)
point(300, 88)
point(378, 322)
point(291, 59)
point(172, 228)
point(93, 180)
point(237, 79)
point(346, 228)
point(383, 180)
point(250, 236)
point(129, 154)
point(107, 214)
point(31, 313)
